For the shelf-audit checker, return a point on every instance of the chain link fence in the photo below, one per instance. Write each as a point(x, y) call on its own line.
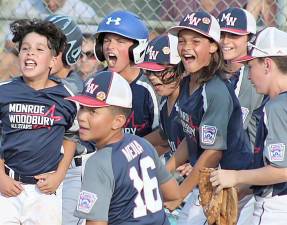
point(158, 14)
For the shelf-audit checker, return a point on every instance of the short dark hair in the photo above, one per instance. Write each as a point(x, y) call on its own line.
point(56, 38)
point(280, 62)
point(116, 110)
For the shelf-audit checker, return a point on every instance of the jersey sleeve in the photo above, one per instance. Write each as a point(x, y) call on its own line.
point(276, 139)
point(97, 187)
point(218, 106)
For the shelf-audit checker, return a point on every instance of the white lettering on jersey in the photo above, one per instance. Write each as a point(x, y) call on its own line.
point(132, 150)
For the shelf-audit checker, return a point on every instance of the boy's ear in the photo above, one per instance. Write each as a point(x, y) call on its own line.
point(213, 47)
point(53, 61)
point(119, 121)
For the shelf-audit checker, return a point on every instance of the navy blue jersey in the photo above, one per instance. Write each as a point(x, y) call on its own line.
point(34, 123)
point(271, 141)
point(170, 126)
point(121, 184)
point(211, 119)
point(144, 117)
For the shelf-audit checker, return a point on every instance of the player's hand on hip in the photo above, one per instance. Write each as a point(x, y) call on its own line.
point(172, 205)
point(184, 169)
point(48, 183)
point(223, 179)
point(9, 187)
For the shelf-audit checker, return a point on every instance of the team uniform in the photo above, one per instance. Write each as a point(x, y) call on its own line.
point(121, 184)
point(170, 126)
point(239, 22)
point(144, 117)
point(34, 124)
point(270, 150)
point(201, 118)
point(249, 101)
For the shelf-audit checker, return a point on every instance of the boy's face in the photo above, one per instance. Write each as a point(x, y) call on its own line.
point(95, 123)
point(35, 57)
point(195, 50)
point(158, 81)
point(116, 52)
point(88, 63)
point(233, 46)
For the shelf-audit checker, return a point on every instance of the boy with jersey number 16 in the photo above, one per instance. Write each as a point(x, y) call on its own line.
point(123, 179)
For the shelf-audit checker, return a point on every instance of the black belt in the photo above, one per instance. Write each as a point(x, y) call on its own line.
point(78, 161)
point(21, 178)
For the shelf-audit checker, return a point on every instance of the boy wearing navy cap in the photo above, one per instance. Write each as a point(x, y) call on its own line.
point(123, 179)
point(268, 73)
point(237, 26)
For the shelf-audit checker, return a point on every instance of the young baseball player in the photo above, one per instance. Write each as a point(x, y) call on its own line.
point(160, 67)
point(35, 117)
point(123, 181)
point(268, 73)
point(121, 40)
point(237, 27)
point(209, 111)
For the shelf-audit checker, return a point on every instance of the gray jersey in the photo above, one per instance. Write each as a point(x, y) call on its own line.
point(121, 184)
point(249, 100)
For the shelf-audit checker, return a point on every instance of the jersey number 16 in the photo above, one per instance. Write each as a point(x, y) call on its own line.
point(149, 186)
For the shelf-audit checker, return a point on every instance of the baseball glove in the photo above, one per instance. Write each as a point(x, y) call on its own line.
point(220, 208)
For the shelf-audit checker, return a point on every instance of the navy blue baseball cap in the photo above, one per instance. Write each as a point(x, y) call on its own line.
point(237, 21)
point(160, 52)
point(201, 22)
point(105, 88)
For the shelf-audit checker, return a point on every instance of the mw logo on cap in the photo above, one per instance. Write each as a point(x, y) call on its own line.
point(152, 53)
point(116, 21)
point(192, 19)
point(91, 87)
point(230, 21)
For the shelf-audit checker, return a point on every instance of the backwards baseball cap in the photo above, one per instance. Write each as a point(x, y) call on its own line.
point(106, 88)
point(269, 42)
point(161, 51)
point(237, 21)
point(201, 22)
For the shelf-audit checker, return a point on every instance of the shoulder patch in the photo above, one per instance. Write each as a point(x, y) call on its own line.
point(276, 152)
point(86, 201)
point(208, 134)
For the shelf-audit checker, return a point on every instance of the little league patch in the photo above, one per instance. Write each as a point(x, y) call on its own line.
point(86, 201)
point(208, 134)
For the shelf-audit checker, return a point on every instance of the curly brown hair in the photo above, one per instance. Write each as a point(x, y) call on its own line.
point(56, 38)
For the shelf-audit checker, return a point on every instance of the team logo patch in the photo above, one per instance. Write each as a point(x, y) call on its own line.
point(86, 201)
point(245, 112)
point(166, 50)
point(208, 134)
point(101, 95)
point(206, 20)
point(276, 152)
